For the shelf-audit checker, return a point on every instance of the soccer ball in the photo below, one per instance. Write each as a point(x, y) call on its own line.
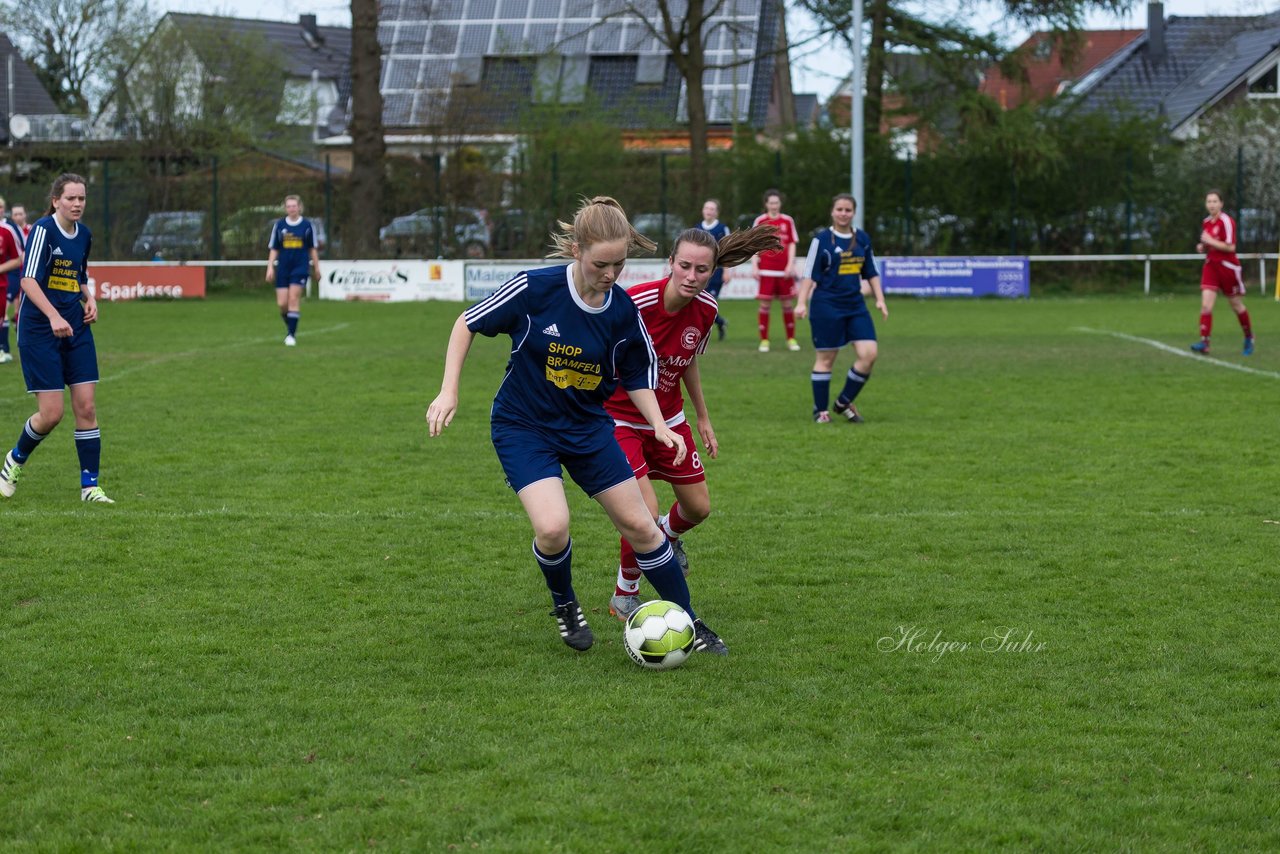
point(659, 635)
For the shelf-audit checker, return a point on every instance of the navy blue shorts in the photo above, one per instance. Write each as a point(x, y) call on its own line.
point(296, 276)
point(529, 454)
point(14, 288)
point(50, 363)
point(833, 327)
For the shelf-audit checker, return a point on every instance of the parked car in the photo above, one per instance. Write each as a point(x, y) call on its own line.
point(173, 236)
point(662, 229)
point(245, 233)
point(464, 233)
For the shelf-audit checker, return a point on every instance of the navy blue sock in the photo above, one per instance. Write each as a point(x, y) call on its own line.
point(4, 332)
point(27, 442)
point(291, 321)
point(853, 384)
point(558, 570)
point(821, 391)
point(660, 568)
point(89, 450)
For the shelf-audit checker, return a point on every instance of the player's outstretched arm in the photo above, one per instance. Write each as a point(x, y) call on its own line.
point(647, 402)
point(693, 385)
point(440, 412)
point(802, 298)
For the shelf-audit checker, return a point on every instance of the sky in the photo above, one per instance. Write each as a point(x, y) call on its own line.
point(816, 69)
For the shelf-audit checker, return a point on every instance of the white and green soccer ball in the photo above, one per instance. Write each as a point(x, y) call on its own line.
point(659, 635)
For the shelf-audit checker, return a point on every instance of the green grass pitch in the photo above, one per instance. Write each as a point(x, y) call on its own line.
point(305, 626)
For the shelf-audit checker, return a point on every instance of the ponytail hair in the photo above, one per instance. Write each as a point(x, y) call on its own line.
point(59, 184)
point(598, 220)
point(736, 248)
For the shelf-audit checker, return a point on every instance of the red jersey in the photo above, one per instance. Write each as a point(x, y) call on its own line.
point(774, 262)
point(1223, 228)
point(677, 339)
point(9, 246)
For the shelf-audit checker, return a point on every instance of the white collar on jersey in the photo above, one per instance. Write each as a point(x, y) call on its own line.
point(577, 298)
point(841, 233)
point(710, 225)
point(75, 229)
point(293, 221)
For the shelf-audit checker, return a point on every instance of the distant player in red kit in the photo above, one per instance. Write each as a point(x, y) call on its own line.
point(774, 270)
point(678, 314)
point(1221, 272)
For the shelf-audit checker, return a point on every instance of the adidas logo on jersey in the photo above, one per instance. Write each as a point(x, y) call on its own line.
point(57, 250)
point(552, 331)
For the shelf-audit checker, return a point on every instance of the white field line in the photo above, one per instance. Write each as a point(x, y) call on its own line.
point(186, 354)
point(1186, 354)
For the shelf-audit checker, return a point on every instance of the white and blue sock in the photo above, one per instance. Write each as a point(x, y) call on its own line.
point(853, 384)
point(558, 570)
point(821, 391)
point(28, 441)
point(89, 450)
point(291, 322)
point(663, 573)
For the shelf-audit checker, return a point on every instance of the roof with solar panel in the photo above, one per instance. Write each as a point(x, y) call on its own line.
point(489, 61)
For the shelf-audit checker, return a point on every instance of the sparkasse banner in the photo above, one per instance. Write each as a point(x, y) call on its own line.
point(145, 281)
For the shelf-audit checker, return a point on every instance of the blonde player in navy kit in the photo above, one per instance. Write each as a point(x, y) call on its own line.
point(54, 314)
point(575, 336)
point(291, 255)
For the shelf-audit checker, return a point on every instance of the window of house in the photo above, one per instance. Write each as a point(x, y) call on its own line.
point(1265, 86)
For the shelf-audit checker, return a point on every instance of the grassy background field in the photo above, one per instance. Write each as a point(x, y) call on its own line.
point(306, 626)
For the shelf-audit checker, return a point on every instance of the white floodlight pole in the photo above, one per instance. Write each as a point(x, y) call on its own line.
point(856, 130)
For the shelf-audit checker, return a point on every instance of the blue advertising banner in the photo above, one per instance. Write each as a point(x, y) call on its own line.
point(956, 277)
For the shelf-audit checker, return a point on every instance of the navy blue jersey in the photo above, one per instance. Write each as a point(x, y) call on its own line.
point(566, 356)
point(838, 263)
point(719, 231)
point(294, 242)
point(58, 261)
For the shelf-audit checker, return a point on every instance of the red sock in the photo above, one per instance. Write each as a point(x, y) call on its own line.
point(1206, 325)
point(762, 322)
point(789, 321)
point(627, 567)
point(1245, 323)
point(674, 524)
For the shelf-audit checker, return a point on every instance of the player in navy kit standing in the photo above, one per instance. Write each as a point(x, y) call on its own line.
point(292, 255)
point(839, 260)
point(54, 335)
point(575, 336)
point(712, 225)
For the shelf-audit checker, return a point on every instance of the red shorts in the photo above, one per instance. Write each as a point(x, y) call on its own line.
point(650, 458)
point(1221, 276)
point(776, 286)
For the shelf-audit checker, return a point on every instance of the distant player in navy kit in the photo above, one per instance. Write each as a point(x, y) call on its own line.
point(54, 314)
point(712, 225)
point(12, 244)
point(292, 255)
point(575, 336)
point(839, 261)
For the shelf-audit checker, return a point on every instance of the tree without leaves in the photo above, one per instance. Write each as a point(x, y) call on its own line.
point(78, 47)
point(368, 148)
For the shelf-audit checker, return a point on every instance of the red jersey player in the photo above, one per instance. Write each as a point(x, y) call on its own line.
point(774, 270)
point(678, 315)
point(11, 244)
point(1221, 273)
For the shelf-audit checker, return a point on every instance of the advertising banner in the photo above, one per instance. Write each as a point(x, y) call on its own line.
point(109, 283)
point(391, 281)
point(956, 277)
point(485, 277)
